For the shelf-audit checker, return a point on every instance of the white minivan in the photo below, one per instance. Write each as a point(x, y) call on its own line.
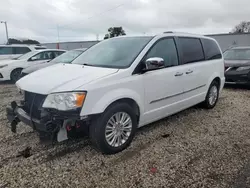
point(15, 50)
point(119, 85)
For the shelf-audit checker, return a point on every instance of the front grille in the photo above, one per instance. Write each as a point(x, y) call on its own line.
point(37, 100)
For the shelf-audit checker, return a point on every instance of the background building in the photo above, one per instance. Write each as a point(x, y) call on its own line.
point(230, 40)
point(70, 45)
point(225, 41)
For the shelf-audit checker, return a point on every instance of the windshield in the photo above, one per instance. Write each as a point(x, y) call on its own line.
point(237, 54)
point(67, 57)
point(27, 55)
point(113, 53)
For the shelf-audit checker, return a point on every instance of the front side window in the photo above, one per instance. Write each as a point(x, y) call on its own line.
point(118, 52)
point(237, 54)
point(43, 56)
point(6, 50)
point(46, 55)
point(165, 49)
point(211, 49)
point(38, 56)
point(57, 53)
point(50, 55)
point(191, 50)
point(27, 55)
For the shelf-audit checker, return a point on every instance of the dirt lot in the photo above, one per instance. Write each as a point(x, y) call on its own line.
point(195, 148)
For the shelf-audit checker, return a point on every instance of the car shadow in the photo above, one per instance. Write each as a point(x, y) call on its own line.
point(6, 83)
point(237, 86)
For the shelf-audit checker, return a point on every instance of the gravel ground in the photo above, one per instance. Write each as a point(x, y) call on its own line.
point(195, 148)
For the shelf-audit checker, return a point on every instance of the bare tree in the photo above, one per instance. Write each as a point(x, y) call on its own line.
point(243, 27)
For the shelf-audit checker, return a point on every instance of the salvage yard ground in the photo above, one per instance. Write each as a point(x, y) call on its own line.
point(195, 148)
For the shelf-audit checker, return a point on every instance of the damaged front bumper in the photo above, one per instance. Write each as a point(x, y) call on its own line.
point(16, 114)
point(52, 122)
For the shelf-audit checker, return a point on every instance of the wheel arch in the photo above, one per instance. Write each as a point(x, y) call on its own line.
point(218, 80)
point(121, 95)
point(130, 102)
point(16, 68)
point(215, 77)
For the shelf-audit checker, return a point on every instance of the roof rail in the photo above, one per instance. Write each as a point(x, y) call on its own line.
point(168, 32)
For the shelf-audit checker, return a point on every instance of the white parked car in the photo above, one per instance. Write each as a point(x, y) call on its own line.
point(119, 85)
point(66, 57)
point(15, 50)
point(11, 69)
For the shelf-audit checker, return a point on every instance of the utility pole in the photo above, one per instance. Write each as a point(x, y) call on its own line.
point(58, 38)
point(6, 29)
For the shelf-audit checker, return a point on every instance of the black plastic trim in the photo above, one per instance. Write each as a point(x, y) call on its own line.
point(164, 98)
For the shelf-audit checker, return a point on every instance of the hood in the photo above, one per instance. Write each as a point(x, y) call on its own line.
point(61, 78)
point(34, 68)
point(9, 61)
point(237, 63)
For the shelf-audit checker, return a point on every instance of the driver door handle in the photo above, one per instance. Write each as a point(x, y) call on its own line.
point(179, 74)
point(189, 72)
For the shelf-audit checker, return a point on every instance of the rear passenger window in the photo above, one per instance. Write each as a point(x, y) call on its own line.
point(166, 50)
point(191, 50)
point(211, 49)
point(21, 50)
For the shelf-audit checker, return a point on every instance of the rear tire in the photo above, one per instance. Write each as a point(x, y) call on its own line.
point(15, 75)
point(114, 130)
point(212, 95)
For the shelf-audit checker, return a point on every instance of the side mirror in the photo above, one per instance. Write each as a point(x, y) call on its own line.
point(154, 63)
point(33, 58)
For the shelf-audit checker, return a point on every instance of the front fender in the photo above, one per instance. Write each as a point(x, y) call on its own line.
point(93, 106)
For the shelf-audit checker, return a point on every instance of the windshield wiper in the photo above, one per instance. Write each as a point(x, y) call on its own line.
point(91, 65)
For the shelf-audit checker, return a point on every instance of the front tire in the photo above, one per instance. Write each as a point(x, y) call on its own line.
point(15, 75)
point(212, 95)
point(114, 130)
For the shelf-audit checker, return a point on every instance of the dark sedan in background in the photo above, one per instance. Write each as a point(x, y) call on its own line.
point(237, 65)
point(67, 57)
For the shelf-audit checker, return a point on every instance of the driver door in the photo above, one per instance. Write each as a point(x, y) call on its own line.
point(163, 87)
